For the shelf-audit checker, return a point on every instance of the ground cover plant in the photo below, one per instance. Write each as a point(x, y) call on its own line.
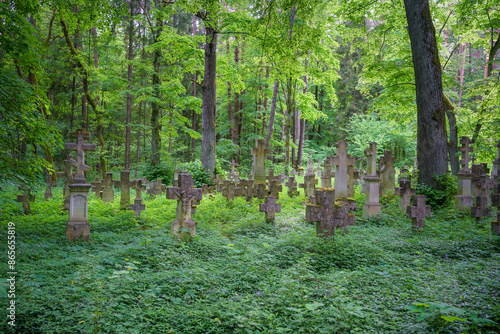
point(241, 275)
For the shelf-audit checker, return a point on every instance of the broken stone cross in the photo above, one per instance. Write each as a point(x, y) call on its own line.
point(138, 207)
point(465, 150)
point(124, 185)
point(228, 190)
point(259, 153)
point(234, 175)
point(246, 189)
point(80, 147)
point(97, 187)
point(108, 194)
point(183, 227)
point(418, 212)
point(25, 199)
point(326, 175)
point(292, 187)
point(309, 185)
point(270, 207)
point(50, 184)
point(275, 188)
point(387, 173)
point(310, 164)
point(218, 182)
point(405, 191)
point(372, 204)
point(341, 161)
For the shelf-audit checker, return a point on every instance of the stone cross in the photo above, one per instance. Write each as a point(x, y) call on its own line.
point(404, 173)
point(68, 179)
point(341, 161)
point(97, 187)
point(138, 207)
point(218, 182)
point(108, 194)
point(481, 209)
point(259, 190)
point(206, 189)
point(495, 170)
point(309, 185)
point(183, 227)
point(371, 155)
point(292, 187)
point(234, 175)
point(270, 207)
point(50, 184)
point(495, 201)
point(477, 172)
point(405, 191)
point(318, 172)
point(259, 153)
point(326, 175)
point(80, 147)
point(124, 185)
point(310, 164)
point(156, 188)
point(418, 212)
point(270, 177)
point(387, 172)
point(246, 189)
point(275, 188)
point(228, 190)
point(372, 205)
point(25, 199)
point(466, 150)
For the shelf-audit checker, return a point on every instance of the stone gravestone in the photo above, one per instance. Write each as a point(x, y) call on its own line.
point(246, 189)
point(387, 172)
point(275, 188)
point(463, 199)
point(108, 194)
point(155, 188)
point(124, 185)
point(326, 175)
point(341, 161)
point(97, 187)
point(78, 225)
point(318, 172)
point(50, 184)
point(234, 175)
point(138, 207)
point(495, 201)
point(228, 190)
point(310, 165)
point(25, 199)
point(270, 207)
point(327, 214)
point(292, 187)
point(372, 204)
point(350, 181)
point(259, 153)
point(495, 170)
point(309, 185)
point(206, 189)
point(68, 179)
point(418, 212)
point(477, 171)
point(259, 190)
point(405, 191)
point(270, 177)
point(481, 209)
point(183, 227)
point(218, 182)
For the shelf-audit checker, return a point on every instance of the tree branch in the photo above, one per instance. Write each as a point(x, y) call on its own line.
point(444, 24)
point(451, 54)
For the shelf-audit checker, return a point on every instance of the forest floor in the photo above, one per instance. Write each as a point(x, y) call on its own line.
point(241, 275)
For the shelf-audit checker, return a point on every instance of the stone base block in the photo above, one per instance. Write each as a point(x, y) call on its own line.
point(463, 201)
point(495, 227)
point(66, 204)
point(77, 230)
point(179, 230)
point(370, 210)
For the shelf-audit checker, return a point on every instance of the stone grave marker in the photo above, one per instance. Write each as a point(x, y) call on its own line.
point(275, 188)
point(234, 175)
point(310, 165)
point(300, 171)
point(259, 190)
point(495, 201)
point(292, 187)
point(183, 227)
point(495, 170)
point(387, 172)
point(341, 161)
point(156, 188)
point(418, 212)
point(270, 207)
point(326, 175)
point(138, 206)
point(372, 205)
point(25, 199)
point(97, 187)
point(350, 181)
point(108, 194)
point(218, 182)
point(463, 200)
point(206, 189)
point(80, 147)
point(405, 191)
point(50, 184)
point(259, 153)
point(228, 190)
point(309, 185)
point(246, 189)
point(124, 184)
point(481, 209)
point(318, 169)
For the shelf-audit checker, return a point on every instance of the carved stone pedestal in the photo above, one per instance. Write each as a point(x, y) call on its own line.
point(78, 225)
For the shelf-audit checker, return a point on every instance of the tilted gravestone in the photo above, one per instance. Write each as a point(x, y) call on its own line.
point(270, 207)
point(495, 201)
point(25, 199)
point(328, 214)
point(341, 161)
point(50, 184)
point(405, 191)
point(372, 205)
point(108, 193)
point(156, 188)
point(228, 190)
point(292, 187)
point(418, 212)
point(463, 199)
point(124, 185)
point(183, 227)
point(326, 175)
point(259, 153)
point(495, 170)
point(275, 188)
point(78, 225)
point(97, 187)
point(309, 186)
point(138, 206)
point(387, 173)
point(246, 189)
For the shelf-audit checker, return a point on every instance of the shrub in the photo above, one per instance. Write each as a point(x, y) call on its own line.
point(164, 171)
point(199, 174)
point(443, 195)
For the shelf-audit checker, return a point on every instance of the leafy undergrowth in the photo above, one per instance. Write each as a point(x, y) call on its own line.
point(241, 275)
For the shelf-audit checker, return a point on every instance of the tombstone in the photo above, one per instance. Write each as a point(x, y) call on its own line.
point(234, 175)
point(50, 184)
point(418, 212)
point(218, 182)
point(405, 191)
point(68, 179)
point(259, 153)
point(183, 227)
point(372, 204)
point(318, 169)
point(206, 189)
point(309, 185)
point(259, 190)
point(138, 207)
point(310, 165)
point(387, 173)
point(326, 175)
point(228, 190)
point(495, 201)
point(155, 188)
point(275, 188)
point(480, 209)
point(25, 199)
point(292, 187)
point(282, 178)
point(108, 193)
point(246, 189)
point(341, 161)
point(270, 207)
point(80, 147)
point(124, 185)
point(404, 173)
point(463, 200)
point(328, 214)
point(97, 187)
point(300, 171)
point(350, 181)
point(495, 170)
point(358, 173)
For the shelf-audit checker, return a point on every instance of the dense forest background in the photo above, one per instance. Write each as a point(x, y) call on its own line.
point(300, 74)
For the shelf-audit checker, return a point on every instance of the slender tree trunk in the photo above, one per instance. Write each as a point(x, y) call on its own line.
point(73, 102)
point(270, 125)
point(236, 98)
point(431, 131)
point(193, 118)
point(453, 143)
point(138, 140)
point(155, 106)
point(462, 73)
point(129, 96)
point(84, 113)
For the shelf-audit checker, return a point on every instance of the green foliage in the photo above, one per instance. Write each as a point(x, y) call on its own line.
point(199, 174)
point(164, 171)
point(443, 195)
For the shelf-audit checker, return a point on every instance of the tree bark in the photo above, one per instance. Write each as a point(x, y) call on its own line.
point(193, 119)
point(453, 143)
point(270, 125)
point(431, 131)
point(129, 96)
point(236, 98)
point(155, 106)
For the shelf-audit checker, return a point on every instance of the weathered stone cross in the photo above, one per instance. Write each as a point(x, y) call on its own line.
point(275, 188)
point(405, 191)
point(138, 206)
point(259, 190)
point(310, 164)
point(80, 147)
point(371, 154)
point(259, 153)
point(326, 175)
point(25, 199)
point(108, 194)
point(50, 184)
point(466, 151)
point(387, 172)
point(156, 188)
point(341, 162)
point(228, 190)
point(124, 185)
point(481, 209)
point(97, 187)
point(292, 187)
point(270, 207)
point(418, 212)
point(218, 182)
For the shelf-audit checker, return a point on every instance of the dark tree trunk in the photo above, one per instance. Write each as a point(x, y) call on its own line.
point(155, 106)
point(73, 103)
point(193, 119)
point(84, 113)
point(453, 143)
point(236, 98)
point(138, 140)
point(129, 96)
point(270, 125)
point(431, 131)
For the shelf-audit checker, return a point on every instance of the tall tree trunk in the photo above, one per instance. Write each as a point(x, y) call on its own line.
point(453, 143)
point(209, 101)
point(270, 125)
point(236, 97)
point(431, 131)
point(73, 102)
point(193, 119)
point(138, 140)
point(462, 73)
point(84, 123)
point(155, 106)
point(129, 96)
